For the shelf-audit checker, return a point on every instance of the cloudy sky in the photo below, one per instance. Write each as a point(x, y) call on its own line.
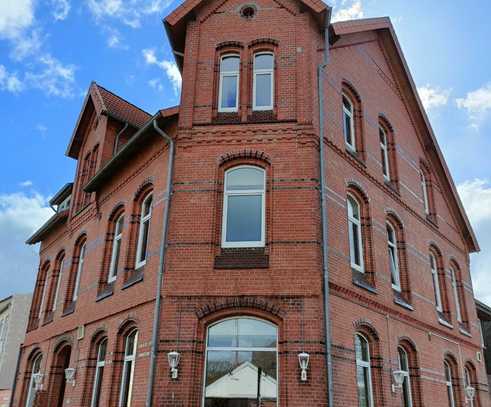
point(50, 51)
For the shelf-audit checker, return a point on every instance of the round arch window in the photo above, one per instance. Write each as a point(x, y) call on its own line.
point(241, 363)
point(248, 11)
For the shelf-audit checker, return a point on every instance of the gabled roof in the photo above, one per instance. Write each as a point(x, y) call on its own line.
point(102, 101)
point(175, 23)
point(57, 219)
point(391, 44)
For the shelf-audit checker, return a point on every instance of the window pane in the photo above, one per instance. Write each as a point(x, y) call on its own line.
point(263, 90)
point(229, 91)
point(97, 387)
point(347, 129)
point(144, 240)
point(244, 218)
point(361, 349)
point(119, 226)
point(393, 266)
point(245, 178)
point(254, 333)
point(130, 344)
point(363, 385)
point(264, 61)
point(223, 334)
point(356, 244)
point(230, 64)
point(147, 206)
point(233, 378)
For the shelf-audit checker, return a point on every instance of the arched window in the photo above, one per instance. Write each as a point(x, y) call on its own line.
point(394, 264)
point(31, 388)
point(98, 373)
point(384, 151)
point(60, 263)
point(436, 283)
point(142, 242)
point(79, 270)
point(349, 123)
point(455, 290)
point(363, 371)
point(127, 374)
point(42, 291)
point(355, 234)
point(117, 228)
point(263, 81)
point(449, 382)
point(243, 222)
point(406, 385)
point(241, 363)
point(228, 93)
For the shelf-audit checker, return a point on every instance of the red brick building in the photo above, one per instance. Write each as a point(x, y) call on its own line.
point(216, 206)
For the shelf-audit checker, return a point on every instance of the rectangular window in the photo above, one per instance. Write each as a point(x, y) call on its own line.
point(384, 151)
point(80, 267)
point(349, 124)
point(456, 295)
point(393, 258)
point(116, 249)
point(436, 283)
point(142, 245)
point(355, 234)
point(58, 283)
point(263, 82)
point(128, 370)
point(424, 187)
point(229, 84)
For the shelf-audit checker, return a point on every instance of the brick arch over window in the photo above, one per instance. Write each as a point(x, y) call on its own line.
point(456, 379)
point(442, 281)
point(414, 370)
point(229, 45)
point(349, 92)
point(388, 130)
point(358, 193)
point(460, 292)
point(405, 282)
point(239, 305)
point(367, 330)
point(244, 155)
point(105, 288)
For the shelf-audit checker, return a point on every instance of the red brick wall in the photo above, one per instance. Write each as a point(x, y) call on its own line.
point(289, 291)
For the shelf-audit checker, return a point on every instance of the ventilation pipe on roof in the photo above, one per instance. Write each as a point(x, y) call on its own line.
point(161, 270)
point(321, 72)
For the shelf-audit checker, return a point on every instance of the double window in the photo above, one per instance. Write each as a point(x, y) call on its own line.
point(241, 363)
point(126, 389)
point(99, 373)
point(116, 249)
point(393, 257)
point(244, 207)
point(142, 242)
point(406, 384)
point(363, 372)
point(355, 234)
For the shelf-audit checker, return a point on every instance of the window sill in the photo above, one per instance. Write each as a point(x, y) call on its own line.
point(399, 300)
point(465, 332)
point(445, 323)
point(360, 280)
point(69, 309)
point(242, 258)
point(106, 290)
point(136, 276)
point(48, 318)
point(227, 118)
point(392, 185)
point(432, 219)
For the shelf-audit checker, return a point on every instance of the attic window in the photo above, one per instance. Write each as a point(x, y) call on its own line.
point(248, 11)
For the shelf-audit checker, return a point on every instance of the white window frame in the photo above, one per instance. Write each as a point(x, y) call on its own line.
point(424, 187)
point(394, 262)
point(143, 219)
point(128, 357)
point(384, 149)
point(456, 294)
point(351, 114)
point(31, 392)
point(257, 72)
point(116, 248)
point(467, 383)
point(224, 74)
point(363, 364)
point(250, 192)
point(357, 222)
point(100, 364)
point(58, 282)
point(436, 282)
point(406, 385)
point(449, 384)
point(80, 268)
point(241, 349)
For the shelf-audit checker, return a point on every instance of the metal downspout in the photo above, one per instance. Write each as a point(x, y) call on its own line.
point(324, 217)
point(116, 140)
point(160, 278)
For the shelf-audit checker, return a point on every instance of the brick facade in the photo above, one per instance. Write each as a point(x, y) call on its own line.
point(282, 281)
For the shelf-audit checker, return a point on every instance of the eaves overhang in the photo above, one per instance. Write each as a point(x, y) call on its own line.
point(57, 219)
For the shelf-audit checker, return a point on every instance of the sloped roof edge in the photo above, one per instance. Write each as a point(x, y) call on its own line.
point(384, 24)
point(56, 219)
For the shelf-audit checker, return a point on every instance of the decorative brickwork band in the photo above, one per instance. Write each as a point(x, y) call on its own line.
point(238, 303)
point(245, 154)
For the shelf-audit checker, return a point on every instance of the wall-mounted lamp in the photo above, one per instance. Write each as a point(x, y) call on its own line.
point(174, 359)
point(70, 375)
point(303, 361)
point(38, 381)
point(470, 392)
point(398, 376)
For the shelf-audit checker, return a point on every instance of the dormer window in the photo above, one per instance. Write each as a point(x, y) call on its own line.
point(263, 81)
point(229, 83)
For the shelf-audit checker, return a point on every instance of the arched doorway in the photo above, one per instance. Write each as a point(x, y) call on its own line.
point(57, 383)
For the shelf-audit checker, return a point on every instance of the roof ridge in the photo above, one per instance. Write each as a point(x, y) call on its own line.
point(120, 97)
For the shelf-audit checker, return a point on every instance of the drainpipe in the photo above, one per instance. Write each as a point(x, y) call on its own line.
point(116, 140)
point(325, 243)
point(160, 278)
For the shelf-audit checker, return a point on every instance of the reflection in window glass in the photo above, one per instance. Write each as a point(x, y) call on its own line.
point(363, 372)
point(229, 83)
point(263, 81)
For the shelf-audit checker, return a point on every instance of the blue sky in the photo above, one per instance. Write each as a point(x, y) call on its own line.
point(50, 51)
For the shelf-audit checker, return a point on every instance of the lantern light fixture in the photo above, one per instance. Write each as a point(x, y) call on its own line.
point(303, 360)
point(174, 359)
point(70, 375)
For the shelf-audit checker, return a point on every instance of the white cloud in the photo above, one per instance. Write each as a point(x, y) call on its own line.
point(432, 97)
point(349, 10)
point(15, 17)
point(156, 84)
point(53, 77)
point(42, 129)
point(476, 197)
point(20, 215)
point(477, 103)
point(61, 9)
point(27, 44)
point(9, 81)
point(26, 184)
point(169, 67)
